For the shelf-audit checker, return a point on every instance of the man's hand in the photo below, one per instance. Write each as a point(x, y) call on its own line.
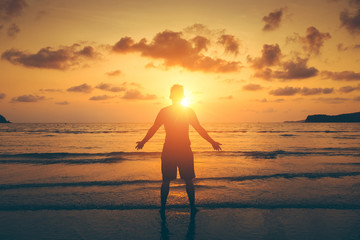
point(216, 146)
point(139, 145)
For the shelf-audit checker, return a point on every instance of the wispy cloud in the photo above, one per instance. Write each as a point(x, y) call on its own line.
point(270, 56)
point(313, 40)
point(341, 76)
point(348, 89)
point(273, 20)
point(252, 87)
point(13, 30)
point(289, 70)
point(134, 94)
point(50, 90)
point(110, 88)
point(351, 20)
point(83, 88)
point(11, 8)
point(61, 59)
point(28, 98)
point(336, 100)
point(230, 43)
point(100, 98)
point(305, 91)
point(62, 103)
point(114, 73)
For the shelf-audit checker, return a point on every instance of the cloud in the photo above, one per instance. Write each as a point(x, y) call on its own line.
point(357, 98)
point(348, 89)
point(13, 30)
point(50, 90)
point(100, 98)
point(341, 47)
point(232, 81)
point(110, 88)
point(230, 43)
point(177, 51)
point(351, 21)
point(270, 56)
point(11, 8)
point(226, 98)
point(2, 95)
point(340, 76)
point(252, 87)
point(305, 91)
point(336, 100)
point(28, 98)
point(297, 69)
point(264, 100)
point(135, 94)
point(83, 88)
point(286, 91)
point(200, 43)
point(290, 70)
point(62, 103)
point(272, 20)
point(60, 59)
point(314, 40)
point(313, 91)
point(114, 73)
point(203, 30)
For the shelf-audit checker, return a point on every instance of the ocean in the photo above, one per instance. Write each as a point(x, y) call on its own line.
point(302, 173)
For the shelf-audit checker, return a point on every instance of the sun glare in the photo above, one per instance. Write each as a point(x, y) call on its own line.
point(185, 102)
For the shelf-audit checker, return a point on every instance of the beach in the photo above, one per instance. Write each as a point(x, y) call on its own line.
point(222, 223)
point(271, 181)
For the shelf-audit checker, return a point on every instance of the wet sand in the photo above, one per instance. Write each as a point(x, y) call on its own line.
point(221, 223)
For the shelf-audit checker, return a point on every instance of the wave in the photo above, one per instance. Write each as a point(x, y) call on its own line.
point(62, 161)
point(314, 175)
point(63, 131)
point(215, 205)
point(114, 157)
point(288, 135)
point(71, 158)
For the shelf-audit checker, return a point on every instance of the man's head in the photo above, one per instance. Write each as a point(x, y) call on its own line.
point(177, 93)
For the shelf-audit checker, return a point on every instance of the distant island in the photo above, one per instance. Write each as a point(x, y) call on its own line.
point(3, 120)
point(348, 117)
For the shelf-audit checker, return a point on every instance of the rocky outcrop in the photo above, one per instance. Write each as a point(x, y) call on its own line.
point(3, 120)
point(349, 117)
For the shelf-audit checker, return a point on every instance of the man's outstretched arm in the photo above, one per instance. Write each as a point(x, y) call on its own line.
point(152, 130)
point(203, 133)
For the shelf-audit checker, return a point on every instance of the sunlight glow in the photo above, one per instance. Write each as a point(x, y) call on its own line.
point(185, 102)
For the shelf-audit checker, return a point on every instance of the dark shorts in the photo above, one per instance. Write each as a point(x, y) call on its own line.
point(174, 157)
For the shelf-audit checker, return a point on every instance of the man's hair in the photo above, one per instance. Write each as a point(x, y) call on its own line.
point(177, 92)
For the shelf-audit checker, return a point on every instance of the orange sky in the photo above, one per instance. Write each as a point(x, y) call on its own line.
point(239, 61)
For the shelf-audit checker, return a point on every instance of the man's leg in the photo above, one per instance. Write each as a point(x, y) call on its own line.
point(164, 193)
point(190, 189)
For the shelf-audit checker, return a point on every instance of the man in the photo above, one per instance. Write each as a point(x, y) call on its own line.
point(176, 151)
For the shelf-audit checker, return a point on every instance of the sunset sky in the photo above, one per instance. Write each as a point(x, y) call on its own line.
point(239, 61)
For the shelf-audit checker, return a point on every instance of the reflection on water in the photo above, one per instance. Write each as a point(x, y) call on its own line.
point(165, 232)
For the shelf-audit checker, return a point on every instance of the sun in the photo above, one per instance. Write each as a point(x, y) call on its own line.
point(185, 102)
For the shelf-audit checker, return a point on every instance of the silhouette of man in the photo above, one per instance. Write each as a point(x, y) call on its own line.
point(177, 151)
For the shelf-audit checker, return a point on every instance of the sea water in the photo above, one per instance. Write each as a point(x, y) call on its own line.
point(263, 165)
